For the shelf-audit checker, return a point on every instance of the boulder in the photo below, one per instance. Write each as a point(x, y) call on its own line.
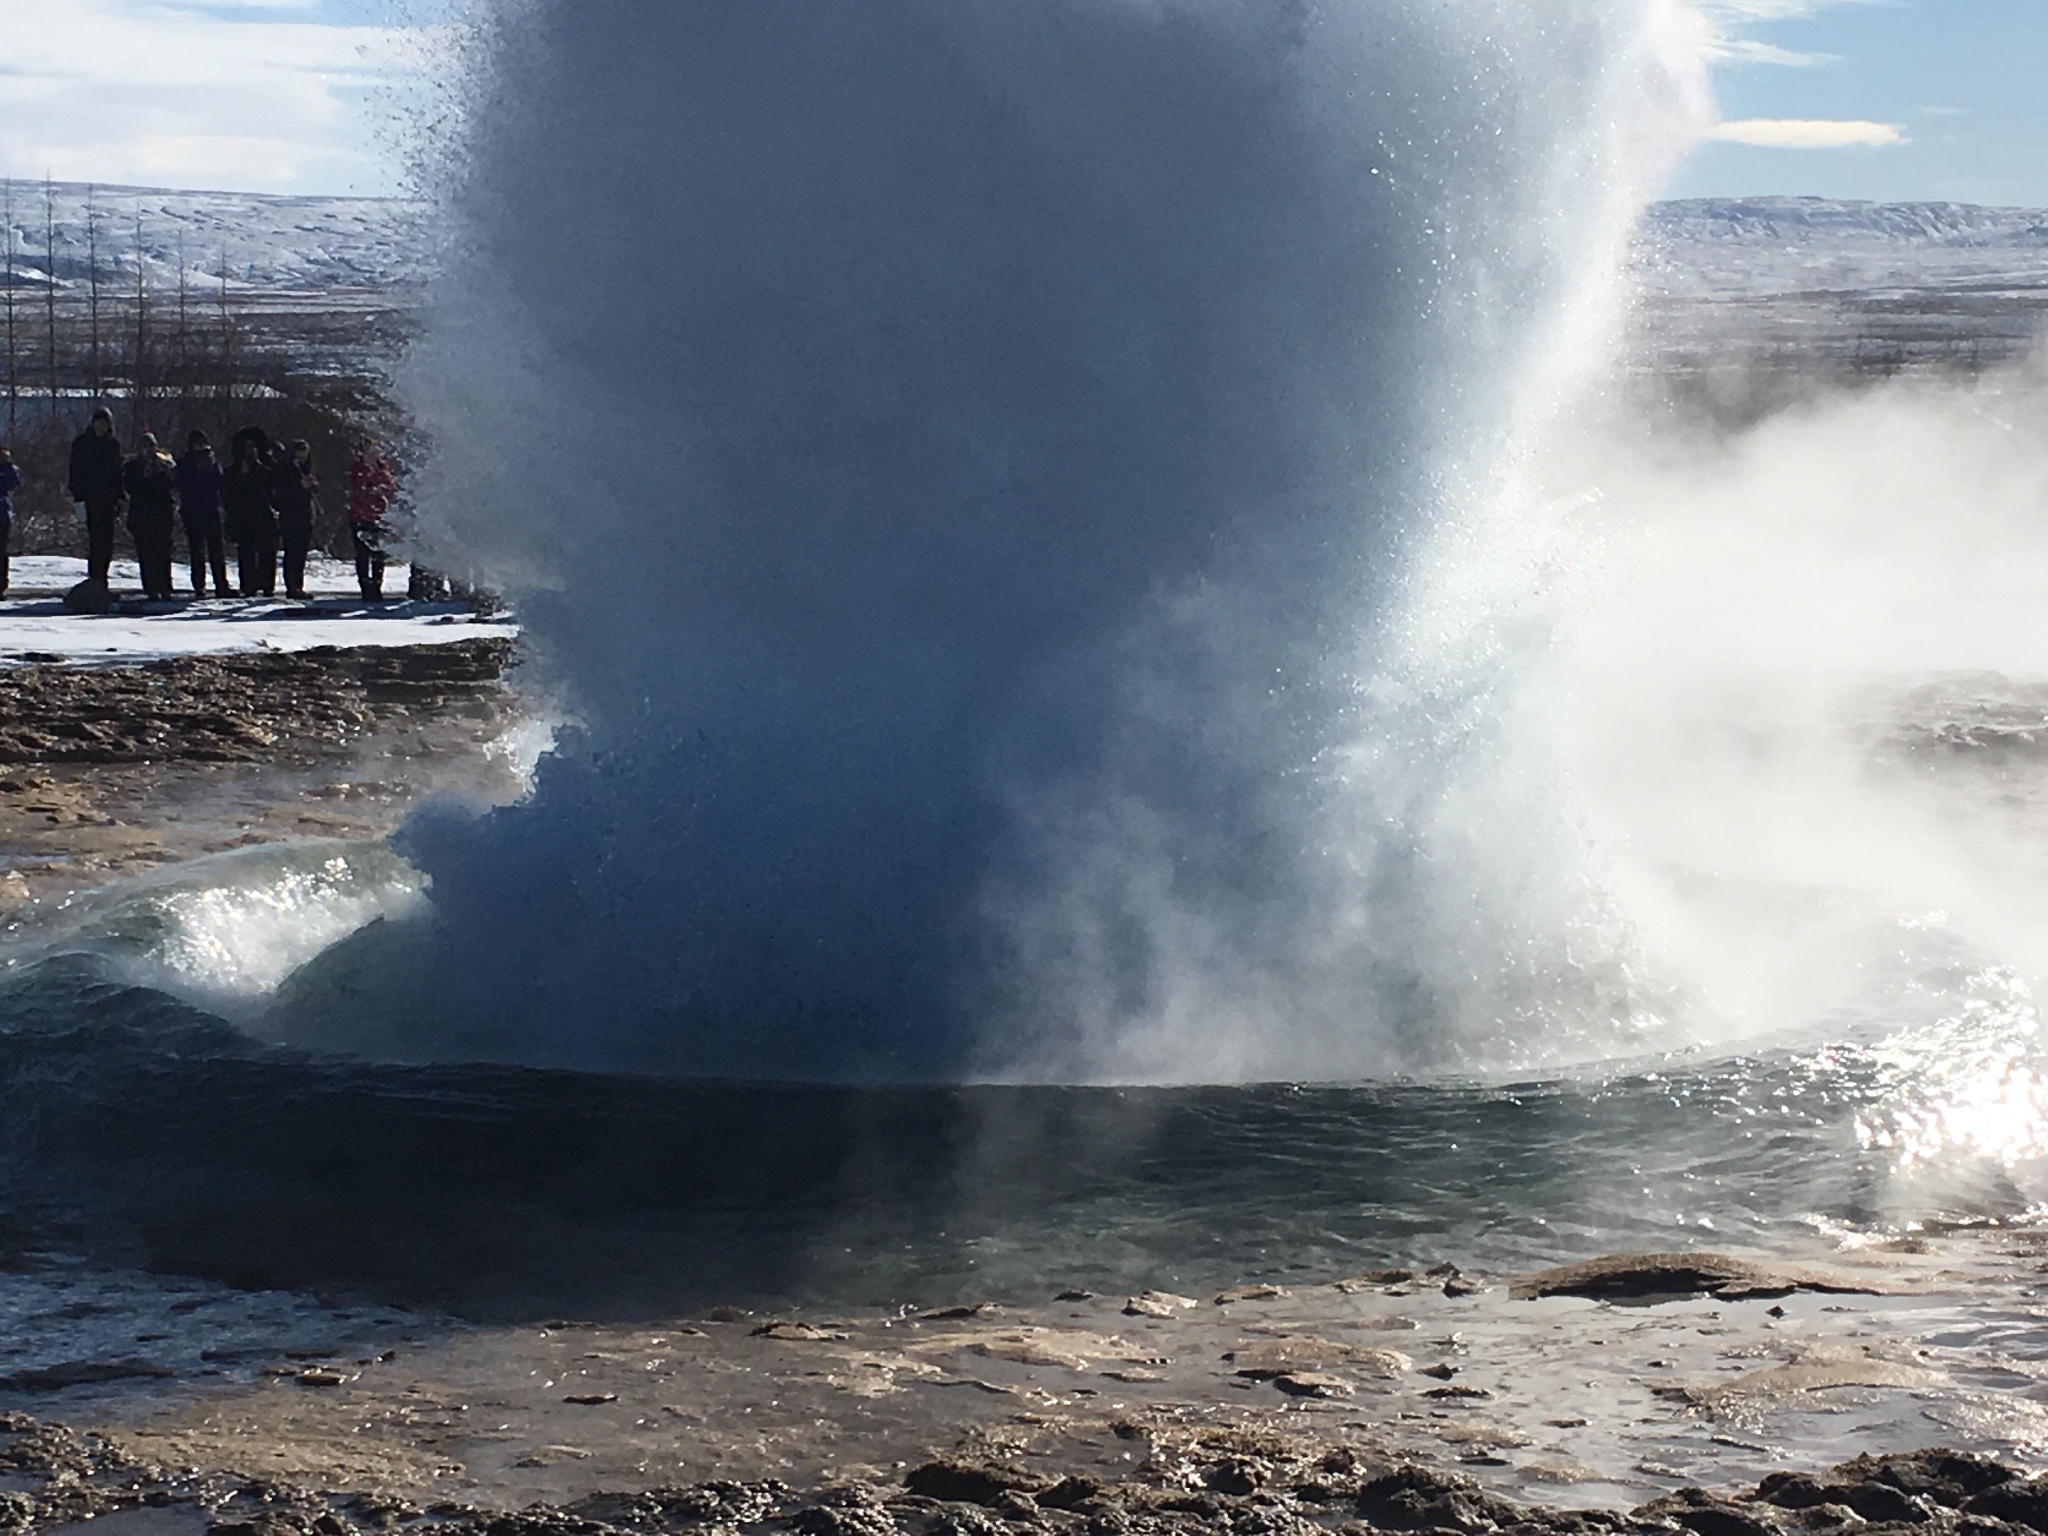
point(1637, 1276)
point(89, 596)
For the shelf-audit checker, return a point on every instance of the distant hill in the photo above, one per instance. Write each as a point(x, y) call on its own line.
point(1694, 248)
point(1781, 245)
point(267, 245)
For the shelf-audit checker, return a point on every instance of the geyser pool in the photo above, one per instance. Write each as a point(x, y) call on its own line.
point(952, 457)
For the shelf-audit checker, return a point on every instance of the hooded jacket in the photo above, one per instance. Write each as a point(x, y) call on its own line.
point(294, 498)
point(95, 467)
point(371, 490)
point(199, 487)
point(152, 492)
point(246, 496)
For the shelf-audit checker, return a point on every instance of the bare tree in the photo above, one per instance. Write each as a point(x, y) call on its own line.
point(92, 291)
point(13, 364)
point(50, 283)
point(183, 343)
point(225, 387)
point(139, 383)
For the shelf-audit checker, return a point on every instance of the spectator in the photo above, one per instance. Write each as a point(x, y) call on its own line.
point(150, 481)
point(96, 481)
point(247, 494)
point(10, 482)
point(199, 490)
point(297, 488)
point(371, 490)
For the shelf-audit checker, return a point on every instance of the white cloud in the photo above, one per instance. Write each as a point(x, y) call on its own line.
point(1809, 133)
point(1729, 21)
point(169, 92)
point(1747, 50)
point(1772, 10)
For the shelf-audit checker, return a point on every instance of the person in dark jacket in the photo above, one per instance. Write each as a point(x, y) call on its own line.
point(96, 483)
point(151, 483)
point(297, 487)
point(251, 518)
point(10, 482)
point(199, 487)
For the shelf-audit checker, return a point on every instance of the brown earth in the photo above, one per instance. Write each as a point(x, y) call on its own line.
point(108, 771)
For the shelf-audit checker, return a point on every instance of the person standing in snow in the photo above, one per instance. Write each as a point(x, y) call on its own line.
point(10, 482)
point(247, 496)
point(297, 486)
point(150, 481)
point(96, 484)
point(199, 490)
point(371, 490)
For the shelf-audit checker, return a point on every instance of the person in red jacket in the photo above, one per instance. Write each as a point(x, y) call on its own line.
point(371, 490)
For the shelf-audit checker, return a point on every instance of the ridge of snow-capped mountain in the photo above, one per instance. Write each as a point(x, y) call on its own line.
point(1795, 220)
point(1695, 248)
point(264, 244)
point(1760, 246)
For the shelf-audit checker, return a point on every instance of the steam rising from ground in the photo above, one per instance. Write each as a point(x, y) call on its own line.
point(1802, 678)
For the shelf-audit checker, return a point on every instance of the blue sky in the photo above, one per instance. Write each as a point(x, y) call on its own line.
point(1888, 99)
point(1961, 86)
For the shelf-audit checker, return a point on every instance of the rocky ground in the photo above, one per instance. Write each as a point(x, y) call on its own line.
point(1598, 1397)
point(985, 1421)
point(1244, 1482)
point(113, 770)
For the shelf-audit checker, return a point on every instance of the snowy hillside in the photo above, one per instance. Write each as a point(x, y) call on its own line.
point(267, 245)
point(1786, 245)
point(1700, 248)
point(1786, 287)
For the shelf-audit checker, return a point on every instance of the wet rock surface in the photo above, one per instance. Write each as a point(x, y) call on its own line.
point(248, 707)
point(1243, 1482)
point(1642, 1275)
point(112, 771)
point(1559, 1402)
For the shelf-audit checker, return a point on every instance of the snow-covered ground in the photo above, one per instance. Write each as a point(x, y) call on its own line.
point(35, 627)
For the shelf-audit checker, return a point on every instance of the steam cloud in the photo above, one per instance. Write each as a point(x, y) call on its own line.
point(958, 461)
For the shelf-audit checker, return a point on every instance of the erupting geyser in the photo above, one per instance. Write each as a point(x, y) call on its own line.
point(950, 455)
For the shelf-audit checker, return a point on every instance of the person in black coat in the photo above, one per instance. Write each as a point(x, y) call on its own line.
point(248, 495)
point(200, 479)
point(297, 487)
point(149, 479)
point(97, 482)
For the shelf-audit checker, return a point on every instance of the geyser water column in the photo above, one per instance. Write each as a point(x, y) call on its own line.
point(919, 432)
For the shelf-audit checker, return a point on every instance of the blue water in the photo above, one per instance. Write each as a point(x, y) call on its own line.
point(139, 1131)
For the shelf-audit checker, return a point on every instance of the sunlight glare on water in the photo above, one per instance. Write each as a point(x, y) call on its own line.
point(1967, 1084)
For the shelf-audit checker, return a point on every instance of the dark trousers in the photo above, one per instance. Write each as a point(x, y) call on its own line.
point(208, 548)
point(153, 552)
point(100, 520)
point(6, 538)
point(296, 535)
point(256, 563)
point(369, 558)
